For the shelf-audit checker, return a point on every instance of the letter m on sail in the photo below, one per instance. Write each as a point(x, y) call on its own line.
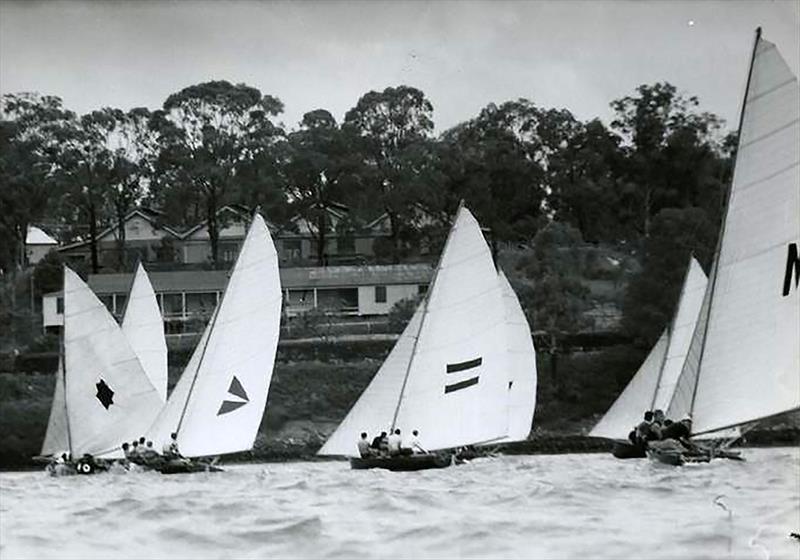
point(792, 268)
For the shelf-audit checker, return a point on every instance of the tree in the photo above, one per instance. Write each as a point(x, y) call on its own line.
point(557, 300)
point(676, 234)
point(671, 150)
point(31, 130)
point(501, 163)
point(208, 132)
point(390, 131)
point(318, 161)
point(129, 143)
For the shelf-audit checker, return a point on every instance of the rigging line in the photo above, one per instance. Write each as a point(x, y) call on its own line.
point(425, 313)
point(718, 254)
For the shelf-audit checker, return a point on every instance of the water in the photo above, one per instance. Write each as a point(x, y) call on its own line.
point(562, 506)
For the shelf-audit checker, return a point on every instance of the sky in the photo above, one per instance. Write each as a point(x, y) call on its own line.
point(463, 54)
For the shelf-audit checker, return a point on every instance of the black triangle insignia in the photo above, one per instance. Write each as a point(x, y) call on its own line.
point(237, 390)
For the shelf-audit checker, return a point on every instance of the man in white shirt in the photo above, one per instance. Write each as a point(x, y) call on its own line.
point(363, 446)
point(394, 442)
point(413, 443)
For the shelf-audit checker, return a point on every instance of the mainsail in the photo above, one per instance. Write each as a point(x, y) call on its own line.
point(749, 347)
point(448, 374)
point(653, 385)
point(108, 398)
point(522, 365)
point(144, 329)
point(218, 403)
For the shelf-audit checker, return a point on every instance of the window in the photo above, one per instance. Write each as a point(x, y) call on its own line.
point(202, 303)
point(422, 289)
point(380, 294)
point(173, 304)
point(60, 305)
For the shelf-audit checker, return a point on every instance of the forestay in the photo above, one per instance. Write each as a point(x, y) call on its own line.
point(750, 355)
point(628, 410)
point(109, 398)
point(144, 329)
point(456, 387)
point(522, 365)
point(219, 402)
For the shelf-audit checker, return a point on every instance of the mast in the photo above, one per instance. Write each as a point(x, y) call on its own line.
point(718, 252)
point(424, 314)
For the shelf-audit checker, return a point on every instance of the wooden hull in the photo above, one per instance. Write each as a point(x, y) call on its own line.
point(418, 462)
point(628, 451)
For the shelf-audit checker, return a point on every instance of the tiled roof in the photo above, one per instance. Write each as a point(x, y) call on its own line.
point(291, 278)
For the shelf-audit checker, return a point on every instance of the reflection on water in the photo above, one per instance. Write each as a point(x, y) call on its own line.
point(564, 506)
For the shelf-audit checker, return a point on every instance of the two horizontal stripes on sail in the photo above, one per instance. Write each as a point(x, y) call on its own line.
point(462, 366)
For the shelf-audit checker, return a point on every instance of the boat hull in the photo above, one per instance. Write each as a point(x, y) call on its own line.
point(628, 451)
point(417, 462)
point(184, 466)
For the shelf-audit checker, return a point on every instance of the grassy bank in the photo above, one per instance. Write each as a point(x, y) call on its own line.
point(309, 397)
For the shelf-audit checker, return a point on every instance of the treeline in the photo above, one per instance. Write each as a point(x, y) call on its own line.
point(653, 179)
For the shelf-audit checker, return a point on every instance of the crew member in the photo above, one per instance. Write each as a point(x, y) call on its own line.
point(364, 448)
point(394, 442)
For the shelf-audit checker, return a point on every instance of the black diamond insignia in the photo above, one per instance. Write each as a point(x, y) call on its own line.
point(104, 394)
point(235, 389)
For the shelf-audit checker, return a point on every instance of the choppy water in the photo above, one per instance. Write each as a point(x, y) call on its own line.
point(564, 506)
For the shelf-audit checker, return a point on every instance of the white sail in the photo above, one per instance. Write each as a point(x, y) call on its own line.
point(144, 328)
point(56, 439)
point(456, 390)
point(522, 365)
point(629, 408)
point(109, 398)
point(680, 334)
point(373, 411)
point(750, 357)
point(219, 402)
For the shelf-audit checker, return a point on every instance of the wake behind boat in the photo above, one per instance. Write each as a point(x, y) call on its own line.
point(450, 376)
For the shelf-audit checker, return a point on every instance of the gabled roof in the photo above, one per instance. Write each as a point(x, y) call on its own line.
point(240, 211)
point(143, 212)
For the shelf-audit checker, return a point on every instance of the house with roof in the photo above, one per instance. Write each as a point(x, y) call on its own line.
point(187, 298)
point(146, 238)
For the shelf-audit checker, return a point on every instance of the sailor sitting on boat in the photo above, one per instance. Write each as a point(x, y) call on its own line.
point(170, 449)
point(364, 447)
point(413, 443)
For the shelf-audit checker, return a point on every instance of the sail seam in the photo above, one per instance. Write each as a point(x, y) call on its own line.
point(768, 134)
point(770, 90)
point(741, 188)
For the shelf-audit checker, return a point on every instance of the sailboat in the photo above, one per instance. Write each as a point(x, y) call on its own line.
point(144, 329)
point(653, 385)
point(451, 374)
point(102, 396)
point(744, 361)
point(219, 401)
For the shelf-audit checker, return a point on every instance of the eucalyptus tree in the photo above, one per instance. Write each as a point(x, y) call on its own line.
point(391, 133)
point(318, 163)
point(208, 132)
point(32, 129)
